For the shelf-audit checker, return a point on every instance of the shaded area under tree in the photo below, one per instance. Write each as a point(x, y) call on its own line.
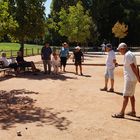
point(17, 107)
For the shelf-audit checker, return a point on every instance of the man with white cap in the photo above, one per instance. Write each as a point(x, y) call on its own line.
point(78, 58)
point(110, 66)
point(131, 76)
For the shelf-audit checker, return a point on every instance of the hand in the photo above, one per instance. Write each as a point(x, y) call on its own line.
point(116, 65)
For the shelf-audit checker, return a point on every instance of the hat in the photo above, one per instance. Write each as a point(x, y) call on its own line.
point(77, 48)
point(121, 46)
point(108, 46)
point(64, 43)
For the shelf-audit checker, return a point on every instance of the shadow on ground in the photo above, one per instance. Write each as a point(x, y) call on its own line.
point(17, 107)
point(42, 76)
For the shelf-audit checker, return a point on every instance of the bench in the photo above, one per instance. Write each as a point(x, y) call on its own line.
point(3, 69)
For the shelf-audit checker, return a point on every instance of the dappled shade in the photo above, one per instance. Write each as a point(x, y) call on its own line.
point(17, 107)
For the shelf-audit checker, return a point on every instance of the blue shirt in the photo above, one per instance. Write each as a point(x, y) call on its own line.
point(64, 52)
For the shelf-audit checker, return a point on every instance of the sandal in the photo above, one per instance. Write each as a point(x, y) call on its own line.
point(118, 115)
point(133, 114)
point(103, 89)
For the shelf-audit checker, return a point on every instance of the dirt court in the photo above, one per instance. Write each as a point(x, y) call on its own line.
point(66, 106)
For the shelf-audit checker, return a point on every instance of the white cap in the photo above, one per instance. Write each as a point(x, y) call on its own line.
point(108, 46)
point(122, 46)
point(77, 48)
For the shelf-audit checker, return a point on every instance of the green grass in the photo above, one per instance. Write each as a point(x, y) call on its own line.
point(28, 48)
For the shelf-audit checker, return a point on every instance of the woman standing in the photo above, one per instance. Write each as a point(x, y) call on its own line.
point(64, 53)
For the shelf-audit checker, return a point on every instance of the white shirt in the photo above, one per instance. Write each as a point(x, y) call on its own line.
point(109, 60)
point(5, 60)
point(129, 58)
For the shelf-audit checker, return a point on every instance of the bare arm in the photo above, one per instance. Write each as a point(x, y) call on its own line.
point(135, 70)
point(115, 62)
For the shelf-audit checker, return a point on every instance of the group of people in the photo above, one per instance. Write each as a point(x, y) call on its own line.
point(18, 64)
point(59, 59)
point(131, 76)
point(50, 59)
point(55, 59)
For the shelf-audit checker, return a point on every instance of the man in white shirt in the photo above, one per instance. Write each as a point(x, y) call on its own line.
point(131, 76)
point(110, 66)
point(7, 62)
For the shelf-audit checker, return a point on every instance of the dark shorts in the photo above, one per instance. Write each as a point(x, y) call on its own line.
point(63, 61)
point(78, 63)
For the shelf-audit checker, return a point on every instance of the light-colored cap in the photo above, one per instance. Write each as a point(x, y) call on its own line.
point(122, 46)
point(108, 46)
point(78, 48)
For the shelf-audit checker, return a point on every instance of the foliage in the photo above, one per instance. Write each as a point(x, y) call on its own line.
point(75, 24)
point(120, 30)
point(30, 17)
point(7, 23)
point(105, 14)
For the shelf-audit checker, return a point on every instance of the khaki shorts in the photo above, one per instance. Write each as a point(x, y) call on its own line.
point(129, 88)
point(109, 73)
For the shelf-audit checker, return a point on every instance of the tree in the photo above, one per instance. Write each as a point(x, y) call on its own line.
point(30, 17)
point(51, 29)
point(7, 23)
point(75, 24)
point(120, 30)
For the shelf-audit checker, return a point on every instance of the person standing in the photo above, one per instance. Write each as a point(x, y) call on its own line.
point(131, 76)
point(103, 48)
point(55, 63)
point(46, 52)
point(64, 53)
point(110, 66)
point(78, 59)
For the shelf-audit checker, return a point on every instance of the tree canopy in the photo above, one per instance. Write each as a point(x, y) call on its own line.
point(75, 23)
point(73, 20)
point(7, 23)
point(105, 14)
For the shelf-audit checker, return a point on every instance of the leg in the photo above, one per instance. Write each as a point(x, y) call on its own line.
point(80, 66)
point(49, 66)
point(112, 83)
point(105, 87)
point(111, 76)
point(61, 63)
point(76, 69)
point(54, 69)
point(132, 99)
point(125, 102)
point(106, 78)
point(106, 82)
point(57, 69)
point(45, 65)
point(33, 66)
point(122, 112)
point(64, 63)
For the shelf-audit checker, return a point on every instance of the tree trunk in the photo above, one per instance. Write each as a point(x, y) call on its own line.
point(22, 47)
